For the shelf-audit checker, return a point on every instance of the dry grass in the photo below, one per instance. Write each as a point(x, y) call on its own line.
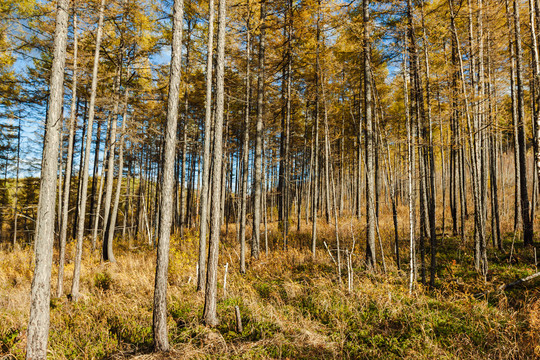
point(292, 306)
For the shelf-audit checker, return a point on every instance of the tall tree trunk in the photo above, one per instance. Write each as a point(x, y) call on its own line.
point(288, 110)
point(107, 250)
point(127, 208)
point(109, 235)
point(245, 149)
point(94, 179)
point(67, 179)
point(534, 23)
point(522, 149)
point(535, 15)
point(183, 178)
point(210, 299)
point(159, 324)
point(102, 177)
point(259, 138)
point(16, 200)
point(513, 96)
point(38, 325)
point(79, 185)
point(315, 171)
point(417, 96)
point(411, 174)
point(430, 176)
point(453, 138)
point(84, 189)
point(495, 219)
point(482, 265)
point(206, 156)
point(369, 143)
point(482, 137)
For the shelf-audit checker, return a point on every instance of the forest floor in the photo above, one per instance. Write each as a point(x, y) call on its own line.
point(292, 306)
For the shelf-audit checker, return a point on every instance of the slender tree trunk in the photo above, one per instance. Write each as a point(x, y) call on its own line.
point(534, 23)
point(113, 216)
point(67, 180)
point(430, 177)
point(102, 176)
point(206, 156)
point(127, 207)
point(259, 138)
point(411, 174)
point(482, 265)
point(16, 200)
point(210, 299)
point(315, 170)
point(326, 154)
point(495, 219)
point(59, 176)
point(513, 93)
point(522, 150)
point(369, 144)
point(183, 178)
point(38, 325)
point(453, 140)
point(107, 250)
point(79, 185)
point(225, 165)
point(94, 179)
point(288, 114)
point(84, 189)
point(264, 200)
point(390, 175)
point(159, 325)
point(245, 149)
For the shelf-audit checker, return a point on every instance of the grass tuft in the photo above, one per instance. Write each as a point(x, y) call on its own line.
point(291, 306)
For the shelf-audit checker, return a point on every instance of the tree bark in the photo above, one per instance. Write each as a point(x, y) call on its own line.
point(84, 189)
point(245, 149)
point(534, 25)
point(210, 299)
point(67, 178)
point(38, 325)
point(315, 171)
point(259, 138)
point(107, 250)
point(206, 156)
point(522, 150)
point(369, 143)
point(94, 180)
point(183, 178)
point(411, 174)
point(109, 235)
point(159, 324)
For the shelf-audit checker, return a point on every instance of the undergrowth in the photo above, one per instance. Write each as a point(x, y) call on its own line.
point(291, 307)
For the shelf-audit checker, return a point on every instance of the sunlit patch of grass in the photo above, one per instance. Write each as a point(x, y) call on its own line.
point(291, 305)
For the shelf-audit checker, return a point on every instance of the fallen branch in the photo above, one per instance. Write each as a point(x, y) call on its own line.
point(505, 287)
point(519, 282)
point(329, 253)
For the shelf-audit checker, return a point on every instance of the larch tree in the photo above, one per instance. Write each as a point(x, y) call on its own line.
point(522, 152)
point(67, 178)
point(210, 299)
point(203, 226)
point(86, 164)
point(38, 325)
point(159, 327)
point(255, 241)
point(369, 142)
point(245, 146)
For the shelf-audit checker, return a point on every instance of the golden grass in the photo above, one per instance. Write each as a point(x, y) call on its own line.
point(292, 306)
